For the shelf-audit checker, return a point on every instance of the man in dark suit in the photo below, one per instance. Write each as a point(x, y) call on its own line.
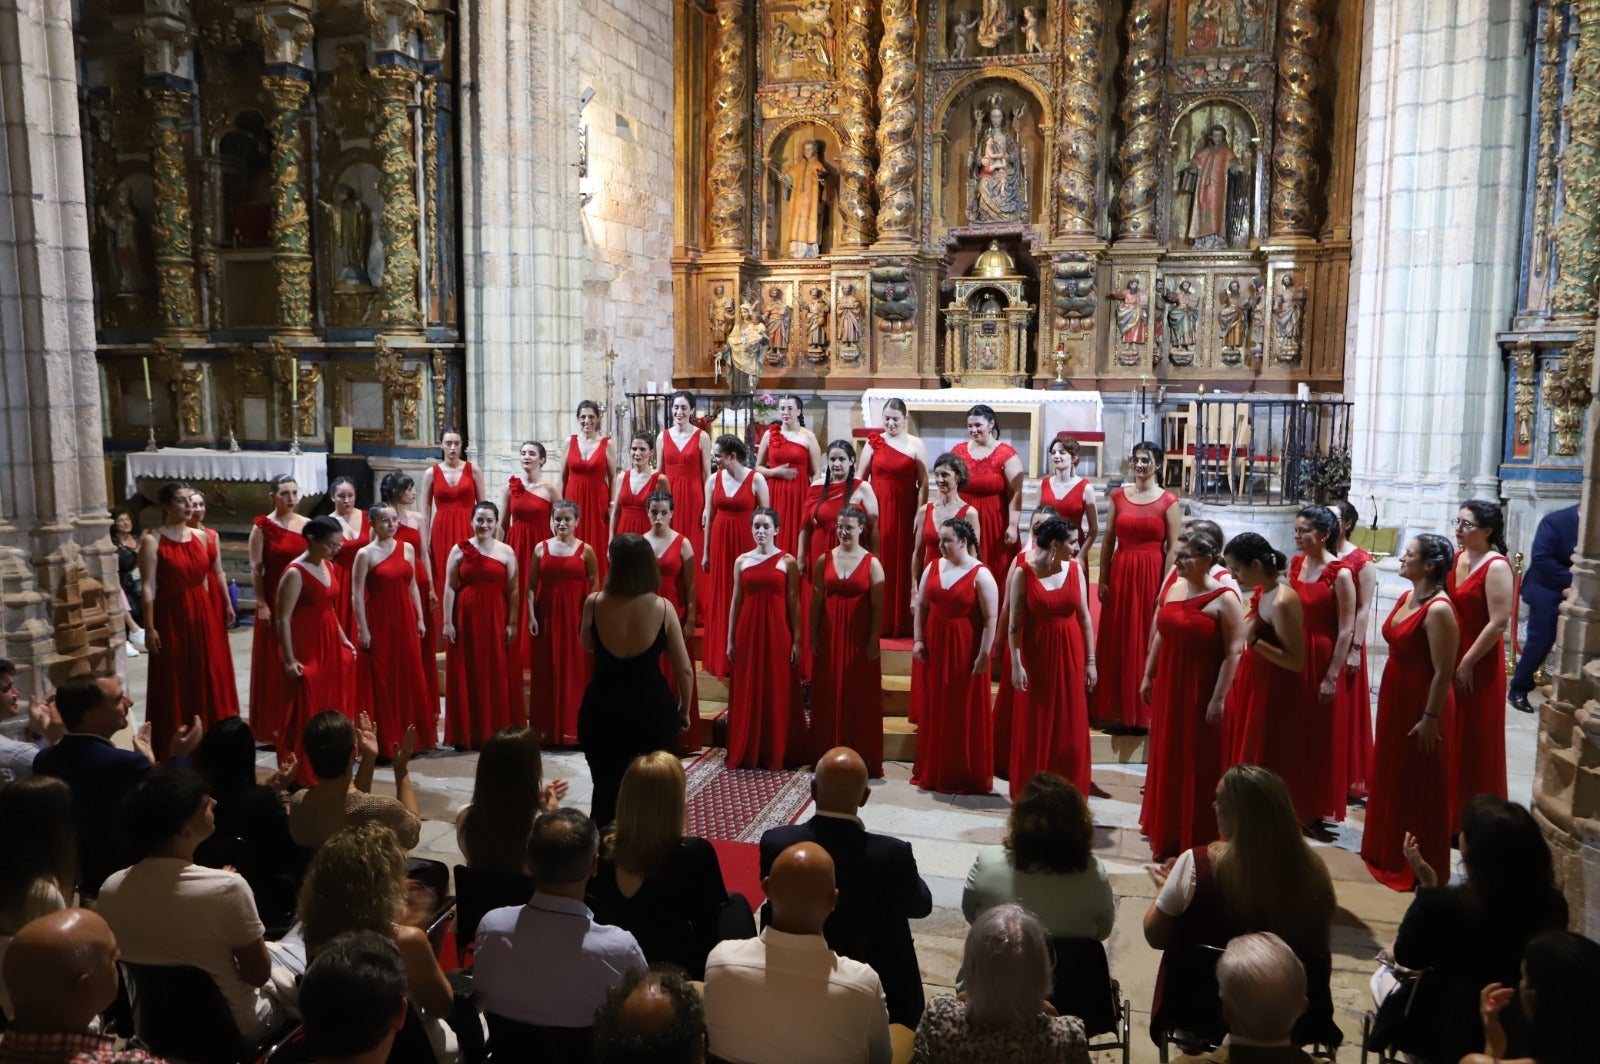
point(93, 708)
point(1548, 576)
point(880, 890)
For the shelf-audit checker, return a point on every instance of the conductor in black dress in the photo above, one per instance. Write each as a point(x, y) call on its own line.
point(880, 890)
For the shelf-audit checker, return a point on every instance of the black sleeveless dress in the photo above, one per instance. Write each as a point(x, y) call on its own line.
point(627, 710)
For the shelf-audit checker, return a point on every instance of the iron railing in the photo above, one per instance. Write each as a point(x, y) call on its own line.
point(743, 414)
point(1267, 452)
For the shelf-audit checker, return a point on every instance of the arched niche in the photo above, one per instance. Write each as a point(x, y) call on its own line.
point(962, 120)
point(1216, 177)
point(797, 188)
point(244, 179)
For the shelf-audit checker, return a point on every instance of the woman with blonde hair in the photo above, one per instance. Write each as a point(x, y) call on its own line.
point(654, 881)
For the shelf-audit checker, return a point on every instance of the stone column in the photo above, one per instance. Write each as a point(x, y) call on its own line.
point(730, 130)
point(858, 216)
point(1143, 139)
point(398, 225)
point(1438, 206)
point(291, 222)
point(173, 227)
point(1295, 122)
point(1578, 233)
point(897, 124)
point(1078, 119)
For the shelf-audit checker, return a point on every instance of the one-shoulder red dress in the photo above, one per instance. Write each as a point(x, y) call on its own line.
point(846, 686)
point(765, 714)
point(343, 565)
point(1480, 733)
point(788, 496)
point(328, 680)
point(561, 667)
point(1267, 717)
point(728, 537)
point(480, 696)
point(687, 483)
point(1313, 782)
point(894, 480)
point(985, 489)
point(671, 567)
point(1050, 720)
point(268, 685)
point(428, 723)
point(1133, 585)
point(527, 526)
point(588, 483)
point(192, 676)
point(452, 519)
point(955, 737)
point(391, 686)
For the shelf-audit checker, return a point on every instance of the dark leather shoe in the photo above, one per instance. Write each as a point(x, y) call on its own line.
point(1519, 701)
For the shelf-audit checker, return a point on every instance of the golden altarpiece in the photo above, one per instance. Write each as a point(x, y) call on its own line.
point(1171, 178)
point(273, 214)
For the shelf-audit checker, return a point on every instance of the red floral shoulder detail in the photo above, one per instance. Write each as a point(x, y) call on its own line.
point(875, 439)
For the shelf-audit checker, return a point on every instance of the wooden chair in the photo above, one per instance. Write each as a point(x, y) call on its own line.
point(1177, 436)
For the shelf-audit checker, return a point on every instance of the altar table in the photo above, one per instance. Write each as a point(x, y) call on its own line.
point(206, 463)
point(1027, 419)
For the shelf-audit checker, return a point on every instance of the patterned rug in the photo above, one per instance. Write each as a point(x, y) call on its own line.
point(739, 804)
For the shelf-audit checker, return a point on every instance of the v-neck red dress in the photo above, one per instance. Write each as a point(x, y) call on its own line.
point(481, 696)
point(1480, 733)
point(192, 676)
point(894, 480)
point(268, 685)
point(1318, 780)
point(671, 567)
point(428, 721)
point(588, 483)
point(686, 480)
point(788, 496)
point(1133, 587)
point(452, 518)
point(561, 667)
point(632, 512)
point(527, 525)
point(1070, 506)
point(985, 489)
point(328, 681)
point(1358, 742)
point(728, 537)
point(390, 683)
point(955, 726)
point(1050, 720)
point(1267, 718)
point(846, 686)
point(343, 565)
point(766, 718)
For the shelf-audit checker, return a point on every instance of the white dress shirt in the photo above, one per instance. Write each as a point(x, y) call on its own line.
point(548, 963)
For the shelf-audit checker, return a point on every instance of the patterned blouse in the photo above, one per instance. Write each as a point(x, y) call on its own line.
point(946, 1037)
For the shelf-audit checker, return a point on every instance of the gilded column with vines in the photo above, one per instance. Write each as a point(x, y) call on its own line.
point(291, 221)
point(173, 225)
point(858, 217)
point(398, 224)
point(1295, 121)
point(1578, 233)
point(1142, 138)
point(1078, 119)
point(730, 124)
point(897, 122)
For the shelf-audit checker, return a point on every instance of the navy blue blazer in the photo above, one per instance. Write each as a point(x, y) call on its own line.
point(100, 775)
point(1549, 571)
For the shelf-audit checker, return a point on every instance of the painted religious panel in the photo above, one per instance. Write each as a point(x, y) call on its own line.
point(1212, 26)
point(801, 41)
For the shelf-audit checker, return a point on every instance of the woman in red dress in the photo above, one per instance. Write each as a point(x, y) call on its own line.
point(949, 477)
point(957, 604)
point(788, 456)
point(1052, 660)
point(1328, 596)
point(1072, 496)
point(1142, 528)
point(846, 618)
point(766, 718)
point(1199, 637)
point(676, 563)
point(685, 452)
point(587, 474)
point(400, 491)
point(197, 521)
point(896, 464)
point(1358, 749)
point(994, 487)
point(275, 541)
point(357, 533)
point(1220, 572)
point(636, 484)
point(191, 665)
point(835, 488)
point(1000, 658)
point(1266, 713)
point(390, 685)
point(480, 609)
point(525, 512)
point(450, 490)
point(1409, 789)
point(565, 572)
point(318, 658)
point(731, 493)
point(1482, 587)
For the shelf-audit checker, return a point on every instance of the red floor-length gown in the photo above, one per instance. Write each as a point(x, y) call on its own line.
point(1313, 782)
point(480, 696)
point(788, 496)
point(670, 565)
point(846, 688)
point(1000, 671)
point(193, 675)
point(329, 677)
point(955, 738)
point(390, 683)
point(1480, 733)
point(686, 480)
point(343, 566)
point(428, 722)
point(588, 483)
point(1408, 790)
point(1358, 748)
point(632, 513)
point(765, 714)
point(821, 518)
point(561, 666)
point(452, 524)
point(930, 553)
point(729, 537)
point(1134, 584)
point(1187, 753)
point(1070, 506)
point(894, 481)
point(1050, 720)
point(268, 684)
point(985, 490)
point(1266, 716)
point(528, 526)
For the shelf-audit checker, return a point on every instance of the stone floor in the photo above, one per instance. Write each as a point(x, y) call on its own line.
point(946, 831)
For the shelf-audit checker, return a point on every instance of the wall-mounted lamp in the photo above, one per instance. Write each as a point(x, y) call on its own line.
point(583, 151)
point(583, 199)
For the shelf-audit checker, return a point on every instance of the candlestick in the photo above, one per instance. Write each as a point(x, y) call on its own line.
point(294, 381)
point(149, 396)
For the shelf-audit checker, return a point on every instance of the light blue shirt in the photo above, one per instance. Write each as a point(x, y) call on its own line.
point(16, 759)
point(548, 963)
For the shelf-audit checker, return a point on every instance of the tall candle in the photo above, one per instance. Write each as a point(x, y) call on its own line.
point(148, 396)
point(294, 381)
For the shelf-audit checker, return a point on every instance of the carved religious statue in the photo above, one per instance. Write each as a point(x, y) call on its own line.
point(351, 221)
point(129, 250)
point(1183, 317)
point(743, 356)
point(1030, 31)
point(960, 34)
point(1288, 315)
point(1133, 319)
point(995, 22)
point(817, 328)
point(804, 183)
point(780, 318)
point(1233, 315)
point(1215, 183)
point(720, 313)
point(849, 316)
point(997, 176)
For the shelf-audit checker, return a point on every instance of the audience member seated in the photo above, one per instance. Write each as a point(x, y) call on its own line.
point(1045, 865)
point(1261, 875)
point(252, 833)
point(167, 910)
point(1555, 998)
point(343, 794)
point(548, 963)
point(40, 729)
point(509, 791)
point(653, 881)
point(93, 708)
point(357, 882)
point(41, 861)
point(1003, 1014)
point(353, 999)
point(61, 971)
point(880, 891)
point(1262, 986)
point(653, 1016)
point(1474, 934)
point(785, 997)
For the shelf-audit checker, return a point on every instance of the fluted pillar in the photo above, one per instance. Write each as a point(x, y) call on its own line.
point(397, 185)
point(897, 124)
point(291, 223)
point(858, 216)
point(1295, 121)
point(730, 125)
point(1578, 233)
point(1078, 120)
point(1143, 138)
point(173, 227)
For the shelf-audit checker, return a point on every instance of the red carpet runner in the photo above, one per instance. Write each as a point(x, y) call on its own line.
point(733, 807)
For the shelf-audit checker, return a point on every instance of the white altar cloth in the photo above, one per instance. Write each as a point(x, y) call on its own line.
point(1029, 419)
point(205, 463)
